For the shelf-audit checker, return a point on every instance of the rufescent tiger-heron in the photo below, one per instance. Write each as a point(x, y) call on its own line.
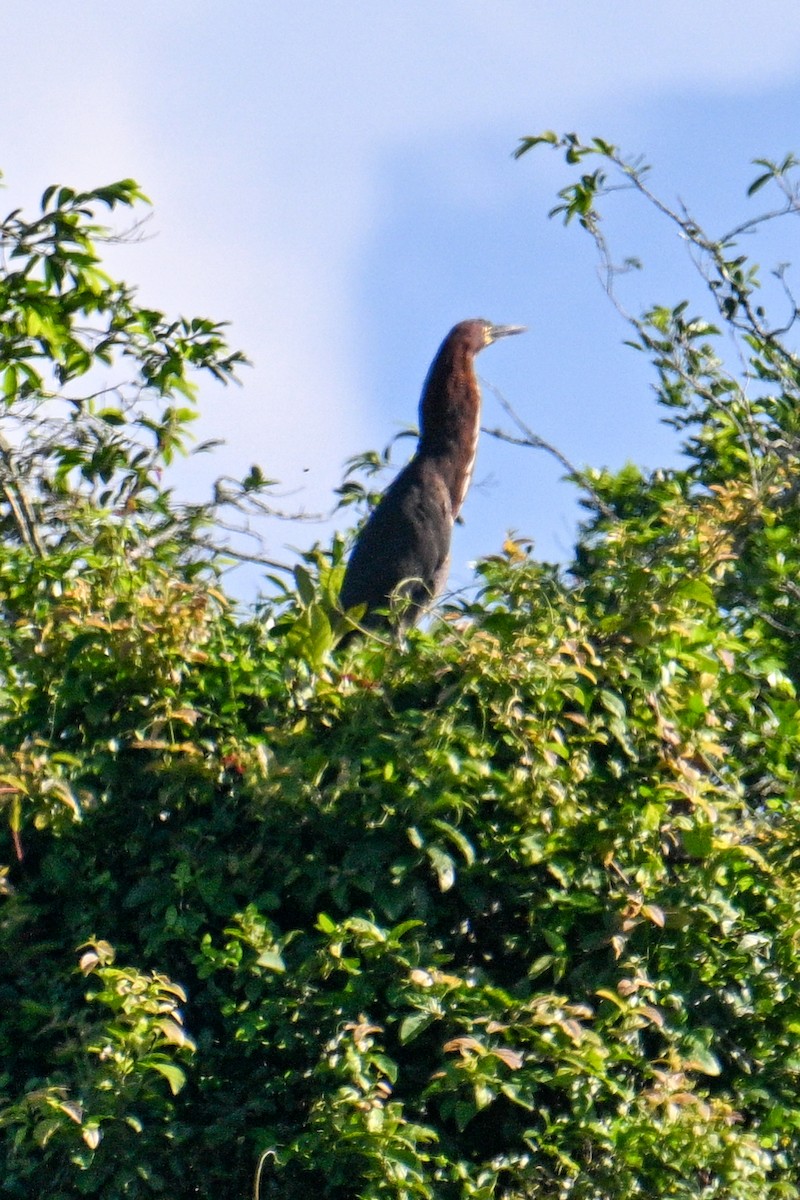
point(402, 555)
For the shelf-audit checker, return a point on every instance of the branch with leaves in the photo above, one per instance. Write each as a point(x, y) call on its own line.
point(79, 455)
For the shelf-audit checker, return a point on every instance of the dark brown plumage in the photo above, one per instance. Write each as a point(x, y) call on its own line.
point(403, 551)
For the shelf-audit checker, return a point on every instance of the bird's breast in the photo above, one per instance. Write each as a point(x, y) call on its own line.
point(467, 466)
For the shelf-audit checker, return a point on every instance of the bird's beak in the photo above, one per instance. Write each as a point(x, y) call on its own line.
point(498, 331)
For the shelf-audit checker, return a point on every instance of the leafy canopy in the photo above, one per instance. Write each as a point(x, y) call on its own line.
point(511, 911)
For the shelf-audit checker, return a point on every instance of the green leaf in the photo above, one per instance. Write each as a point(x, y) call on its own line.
point(528, 143)
point(305, 584)
point(701, 1059)
point(613, 704)
point(443, 865)
point(457, 838)
point(759, 182)
point(413, 1025)
point(10, 382)
point(272, 960)
point(174, 1075)
point(699, 590)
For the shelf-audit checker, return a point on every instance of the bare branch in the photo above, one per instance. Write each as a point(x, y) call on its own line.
point(241, 556)
point(535, 442)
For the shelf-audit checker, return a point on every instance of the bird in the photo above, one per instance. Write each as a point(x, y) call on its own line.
point(401, 558)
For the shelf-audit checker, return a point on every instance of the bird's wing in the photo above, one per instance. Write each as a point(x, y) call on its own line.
point(405, 541)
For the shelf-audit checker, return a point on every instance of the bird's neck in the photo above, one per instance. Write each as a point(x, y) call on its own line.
point(450, 416)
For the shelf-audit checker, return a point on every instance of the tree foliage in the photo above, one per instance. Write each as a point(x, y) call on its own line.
point(509, 911)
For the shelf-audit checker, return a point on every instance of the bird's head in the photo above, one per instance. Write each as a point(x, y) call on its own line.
point(478, 333)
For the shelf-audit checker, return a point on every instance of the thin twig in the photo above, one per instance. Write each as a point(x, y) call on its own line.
point(241, 556)
point(19, 502)
point(533, 440)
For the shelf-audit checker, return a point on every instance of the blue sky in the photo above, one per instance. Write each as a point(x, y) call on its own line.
point(335, 179)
